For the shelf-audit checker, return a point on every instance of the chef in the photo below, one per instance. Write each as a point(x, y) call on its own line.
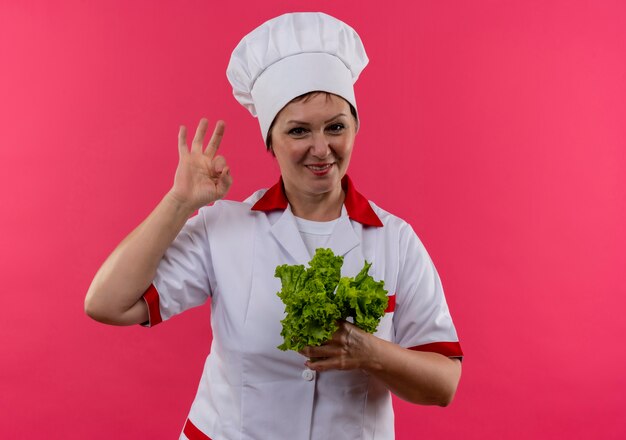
point(295, 73)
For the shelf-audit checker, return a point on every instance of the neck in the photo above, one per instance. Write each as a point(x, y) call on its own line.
point(317, 207)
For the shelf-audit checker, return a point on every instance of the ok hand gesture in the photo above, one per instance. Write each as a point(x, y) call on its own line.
point(201, 176)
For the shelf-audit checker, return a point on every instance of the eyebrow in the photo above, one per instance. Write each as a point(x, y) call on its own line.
point(293, 121)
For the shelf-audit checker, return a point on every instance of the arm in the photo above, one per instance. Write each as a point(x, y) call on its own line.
point(115, 294)
point(418, 377)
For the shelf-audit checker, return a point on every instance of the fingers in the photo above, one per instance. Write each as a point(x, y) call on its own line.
point(224, 182)
point(198, 139)
point(216, 139)
point(329, 357)
point(218, 164)
point(345, 350)
point(322, 351)
point(331, 363)
point(221, 171)
point(182, 140)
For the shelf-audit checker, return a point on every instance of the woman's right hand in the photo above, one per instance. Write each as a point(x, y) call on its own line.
point(115, 294)
point(201, 176)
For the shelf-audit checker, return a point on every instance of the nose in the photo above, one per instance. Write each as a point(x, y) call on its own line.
point(321, 146)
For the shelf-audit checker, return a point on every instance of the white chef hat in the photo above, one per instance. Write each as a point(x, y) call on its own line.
point(291, 55)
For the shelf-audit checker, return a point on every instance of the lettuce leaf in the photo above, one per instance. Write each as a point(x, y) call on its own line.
point(363, 299)
point(317, 297)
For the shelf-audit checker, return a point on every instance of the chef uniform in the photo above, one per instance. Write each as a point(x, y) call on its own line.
point(228, 253)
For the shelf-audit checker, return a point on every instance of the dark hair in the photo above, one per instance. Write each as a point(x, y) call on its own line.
point(305, 97)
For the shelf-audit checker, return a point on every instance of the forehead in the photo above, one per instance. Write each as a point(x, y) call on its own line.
point(312, 107)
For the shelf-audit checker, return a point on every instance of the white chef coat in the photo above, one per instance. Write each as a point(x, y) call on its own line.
point(250, 389)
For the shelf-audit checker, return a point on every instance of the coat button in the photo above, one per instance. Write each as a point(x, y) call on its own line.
point(308, 374)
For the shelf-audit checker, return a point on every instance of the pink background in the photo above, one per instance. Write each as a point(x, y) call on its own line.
point(497, 129)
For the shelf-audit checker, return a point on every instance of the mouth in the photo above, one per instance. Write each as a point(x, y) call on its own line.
point(320, 169)
point(319, 166)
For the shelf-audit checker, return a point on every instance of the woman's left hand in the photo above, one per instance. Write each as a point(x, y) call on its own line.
point(348, 349)
point(421, 377)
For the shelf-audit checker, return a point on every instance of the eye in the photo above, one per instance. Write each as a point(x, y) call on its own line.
point(297, 132)
point(336, 128)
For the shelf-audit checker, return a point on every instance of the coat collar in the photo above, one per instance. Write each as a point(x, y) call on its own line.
point(357, 206)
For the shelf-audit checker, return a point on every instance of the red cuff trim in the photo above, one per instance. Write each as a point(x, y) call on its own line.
point(391, 305)
point(450, 349)
point(193, 433)
point(151, 297)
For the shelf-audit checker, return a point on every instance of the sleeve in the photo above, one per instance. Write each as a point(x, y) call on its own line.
point(182, 279)
point(422, 320)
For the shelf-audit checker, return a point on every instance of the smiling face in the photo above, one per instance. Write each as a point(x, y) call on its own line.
point(312, 140)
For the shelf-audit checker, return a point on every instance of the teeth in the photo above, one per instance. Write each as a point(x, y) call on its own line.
point(322, 168)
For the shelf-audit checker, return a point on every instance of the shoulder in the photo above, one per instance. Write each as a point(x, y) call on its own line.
point(391, 222)
point(397, 230)
point(254, 197)
point(229, 210)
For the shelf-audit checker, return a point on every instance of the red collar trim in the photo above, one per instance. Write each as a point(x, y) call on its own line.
point(359, 209)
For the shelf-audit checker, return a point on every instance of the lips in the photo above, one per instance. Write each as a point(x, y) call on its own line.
point(319, 167)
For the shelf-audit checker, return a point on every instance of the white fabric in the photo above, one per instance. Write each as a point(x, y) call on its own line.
point(291, 55)
point(315, 234)
point(251, 390)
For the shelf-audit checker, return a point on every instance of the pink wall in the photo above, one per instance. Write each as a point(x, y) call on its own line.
point(498, 129)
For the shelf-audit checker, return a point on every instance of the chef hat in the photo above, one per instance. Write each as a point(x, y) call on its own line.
point(291, 55)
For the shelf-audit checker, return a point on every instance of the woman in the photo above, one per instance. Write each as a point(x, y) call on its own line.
point(296, 74)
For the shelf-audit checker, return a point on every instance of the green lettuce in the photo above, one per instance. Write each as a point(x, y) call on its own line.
point(317, 297)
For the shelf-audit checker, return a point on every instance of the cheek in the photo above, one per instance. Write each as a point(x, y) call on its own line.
point(346, 150)
point(287, 157)
point(293, 150)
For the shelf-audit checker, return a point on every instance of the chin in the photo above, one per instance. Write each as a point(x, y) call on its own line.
point(324, 185)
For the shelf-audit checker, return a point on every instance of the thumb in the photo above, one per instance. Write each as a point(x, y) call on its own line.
point(224, 181)
point(219, 164)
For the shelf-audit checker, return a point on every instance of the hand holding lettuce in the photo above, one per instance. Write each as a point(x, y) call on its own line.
point(317, 297)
